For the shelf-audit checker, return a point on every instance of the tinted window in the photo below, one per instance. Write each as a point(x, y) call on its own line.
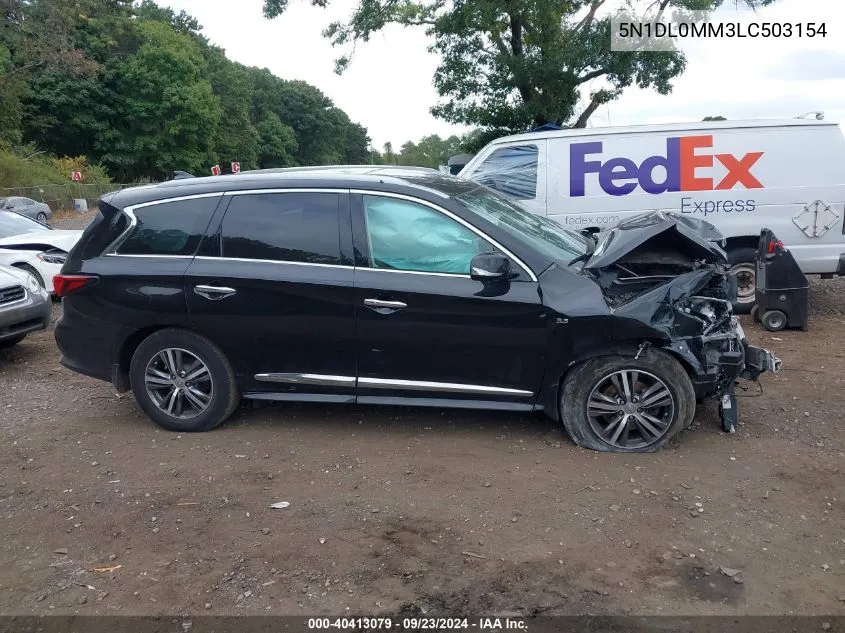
point(291, 227)
point(13, 224)
point(170, 228)
point(405, 235)
point(511, 171)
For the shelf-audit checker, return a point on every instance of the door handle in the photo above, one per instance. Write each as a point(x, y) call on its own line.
point(214, 293)
point(384, 307)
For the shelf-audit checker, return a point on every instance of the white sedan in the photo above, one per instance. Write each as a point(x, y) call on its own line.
point(34, 247)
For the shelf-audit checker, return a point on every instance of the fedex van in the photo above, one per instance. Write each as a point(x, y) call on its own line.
point(740, 176)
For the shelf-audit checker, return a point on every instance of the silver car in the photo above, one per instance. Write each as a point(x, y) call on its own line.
point(24, 306)
point(28, 207)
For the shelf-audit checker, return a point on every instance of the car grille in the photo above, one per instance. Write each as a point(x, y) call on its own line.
point(10, 295)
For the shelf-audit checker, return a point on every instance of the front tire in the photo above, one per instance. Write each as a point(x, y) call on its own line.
point(743, 266)
point(183, 381)
point(617, 403)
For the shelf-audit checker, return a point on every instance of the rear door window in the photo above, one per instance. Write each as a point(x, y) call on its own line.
point(300, 227)
point(511, 171)
point(170, 228)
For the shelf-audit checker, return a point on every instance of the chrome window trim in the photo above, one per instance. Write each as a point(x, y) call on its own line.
point(133, 222)
point(246, 192)
point(129, 212)
point(148, 256)
point(386, 383)
point(269, 261)
point(414, 272)
point(449, 214)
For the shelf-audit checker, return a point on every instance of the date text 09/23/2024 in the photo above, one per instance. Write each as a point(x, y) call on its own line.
point(484, 623)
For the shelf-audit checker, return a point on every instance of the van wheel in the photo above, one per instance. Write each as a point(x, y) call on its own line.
point(743, 266)
point(617, 403)
point(183, 381)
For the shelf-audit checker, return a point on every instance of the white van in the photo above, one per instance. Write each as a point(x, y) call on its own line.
point(740, 176)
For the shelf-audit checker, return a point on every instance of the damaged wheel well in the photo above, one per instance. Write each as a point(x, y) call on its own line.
point(552, 389)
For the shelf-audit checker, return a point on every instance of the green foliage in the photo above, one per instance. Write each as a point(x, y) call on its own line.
point(138, 88)
point(277, 142)
point(509, 65)
point(169, 113)
point(714, 118)
point(431, 151)
point(23, 169)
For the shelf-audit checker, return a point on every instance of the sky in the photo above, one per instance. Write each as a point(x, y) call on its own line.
point(388, 87)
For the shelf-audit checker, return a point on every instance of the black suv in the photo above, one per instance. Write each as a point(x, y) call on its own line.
point(398, 287)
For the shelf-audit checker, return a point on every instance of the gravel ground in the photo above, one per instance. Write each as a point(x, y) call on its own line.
point(395, 509)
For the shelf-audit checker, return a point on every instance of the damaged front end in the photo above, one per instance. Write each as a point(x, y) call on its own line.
point(667, 273)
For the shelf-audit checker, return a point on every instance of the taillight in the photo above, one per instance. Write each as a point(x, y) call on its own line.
point(63, 285)
point(776, 244)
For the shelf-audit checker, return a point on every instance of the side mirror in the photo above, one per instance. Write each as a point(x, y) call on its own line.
point(490, 267)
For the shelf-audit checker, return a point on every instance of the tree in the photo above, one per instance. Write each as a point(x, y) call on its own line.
point(277, 143)
point(431, 151)
point(139, 88)
point(714, 118)
point(164, 102)
point(389, 156)
point(510, 65)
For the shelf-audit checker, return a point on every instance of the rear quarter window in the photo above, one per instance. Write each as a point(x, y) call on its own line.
point(170, 228)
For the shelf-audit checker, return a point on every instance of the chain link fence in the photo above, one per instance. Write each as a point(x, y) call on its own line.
point(65, 197)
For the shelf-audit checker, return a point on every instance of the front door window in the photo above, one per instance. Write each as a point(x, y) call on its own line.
point(408, 236)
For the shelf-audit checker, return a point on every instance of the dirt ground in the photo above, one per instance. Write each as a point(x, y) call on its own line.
point(403, 510)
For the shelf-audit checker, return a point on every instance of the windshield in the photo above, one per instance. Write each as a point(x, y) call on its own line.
point(547, 236)
point(13, 224)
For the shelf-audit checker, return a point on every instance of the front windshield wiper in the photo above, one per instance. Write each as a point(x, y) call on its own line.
point(585, 256)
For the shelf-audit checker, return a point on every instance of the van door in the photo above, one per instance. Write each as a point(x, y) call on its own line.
point(517, 170)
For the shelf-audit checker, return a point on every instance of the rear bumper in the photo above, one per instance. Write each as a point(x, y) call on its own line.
point(29, 315)
point(89, 346)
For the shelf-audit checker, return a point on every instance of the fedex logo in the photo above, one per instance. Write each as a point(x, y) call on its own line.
point(683, 165)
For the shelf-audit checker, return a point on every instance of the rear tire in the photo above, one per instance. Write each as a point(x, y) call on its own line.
point(591, 386)
point(743, 265)
point(755, 314)
point(11, 342)
point(41, 217)
point(183, 381)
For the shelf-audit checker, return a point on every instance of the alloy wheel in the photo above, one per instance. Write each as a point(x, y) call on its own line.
point(179, 383)
point(630, 409)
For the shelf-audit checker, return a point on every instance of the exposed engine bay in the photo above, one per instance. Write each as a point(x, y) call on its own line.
point(668, 273)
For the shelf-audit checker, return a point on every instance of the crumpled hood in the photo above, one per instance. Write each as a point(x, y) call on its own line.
point(42, 240)
point(692, 236)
